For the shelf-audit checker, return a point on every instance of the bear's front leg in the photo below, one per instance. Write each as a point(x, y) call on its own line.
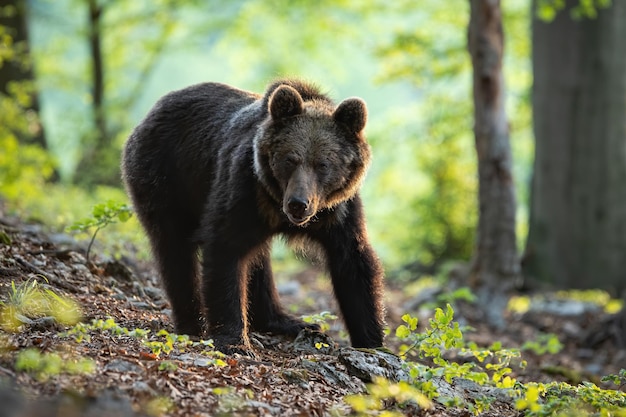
point(357, 277)
point(224, 295)
point(266, 313)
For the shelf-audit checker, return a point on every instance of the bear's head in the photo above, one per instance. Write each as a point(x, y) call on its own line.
point(309, 154)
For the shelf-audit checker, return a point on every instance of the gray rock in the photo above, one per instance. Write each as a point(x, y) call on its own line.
point(120, 365)
point(312, 342)
point(367, 364)
point(333, 375)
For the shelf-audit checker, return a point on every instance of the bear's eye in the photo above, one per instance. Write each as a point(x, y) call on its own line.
point(323, 167)
point(291, 161)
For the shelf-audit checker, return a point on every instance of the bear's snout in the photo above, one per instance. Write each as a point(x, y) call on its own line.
point(297, 208)
point(299, 201)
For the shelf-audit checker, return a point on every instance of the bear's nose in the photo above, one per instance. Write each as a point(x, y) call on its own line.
point(297, 206)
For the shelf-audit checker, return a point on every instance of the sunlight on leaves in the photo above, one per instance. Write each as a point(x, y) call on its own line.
point(29, 301)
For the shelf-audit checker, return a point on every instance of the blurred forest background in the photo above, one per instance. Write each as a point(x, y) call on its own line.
point(77, 75)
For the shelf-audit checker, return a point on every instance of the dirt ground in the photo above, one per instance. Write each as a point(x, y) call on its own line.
point(129, 378)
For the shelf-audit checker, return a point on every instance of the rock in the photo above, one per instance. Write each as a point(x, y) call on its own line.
point(333, 375)
point(273, 411)
point(140, 305)
point(118, 270)
point(108, 403)
point(563, 307)
point(143, 388)
point(44, 324)
point(154, 293)
point(194, 359)
point(313, 342)
point(122, 366)
point(464, 388)
point(366, 364)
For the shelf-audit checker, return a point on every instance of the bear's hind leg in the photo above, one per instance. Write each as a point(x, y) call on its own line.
point(177, 262)
point(265, 311)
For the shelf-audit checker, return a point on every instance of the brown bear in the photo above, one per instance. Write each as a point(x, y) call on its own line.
point(224, 170)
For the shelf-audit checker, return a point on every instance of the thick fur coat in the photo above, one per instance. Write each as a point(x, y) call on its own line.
point(225, 170)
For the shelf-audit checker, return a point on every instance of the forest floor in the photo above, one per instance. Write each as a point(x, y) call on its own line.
point(135, 374)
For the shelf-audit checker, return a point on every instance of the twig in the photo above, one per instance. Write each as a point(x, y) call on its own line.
point(61, 254)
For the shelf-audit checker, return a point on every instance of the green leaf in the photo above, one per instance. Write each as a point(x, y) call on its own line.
point(403, 332)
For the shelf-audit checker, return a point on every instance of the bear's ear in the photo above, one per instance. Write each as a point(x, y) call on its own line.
point(352, 113)
point(285, 102)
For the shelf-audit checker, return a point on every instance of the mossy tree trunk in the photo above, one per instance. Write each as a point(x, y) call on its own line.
point(495, 264)
point(577, 236)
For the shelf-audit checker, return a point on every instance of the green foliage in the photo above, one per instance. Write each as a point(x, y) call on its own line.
point(431, 185)
point(149, 26)
point(562, 399)
point(158, 406)
point(23, 167)
point(585, 9)
point(321, 319)
point(444, 333)
point(30, 300)
point(491, 367)
point(599, 297)
point(438, 212)
point(103, 214)
point(381, 391)
point(619, 379)
point(44, 365)
point(160, 344)
point(451, 297)
point(520, 304)
point(545, 343)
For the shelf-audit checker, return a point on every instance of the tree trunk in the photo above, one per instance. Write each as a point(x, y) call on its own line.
point(577, 235)
point(97, 71)
point(495, 263)
point(14, 17)
point(98, 163)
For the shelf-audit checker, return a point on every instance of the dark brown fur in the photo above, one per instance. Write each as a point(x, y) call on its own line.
point(225, 170)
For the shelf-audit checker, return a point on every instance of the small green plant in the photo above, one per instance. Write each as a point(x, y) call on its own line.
point(232, 400)
point(619, 379)
point(380, 391)
point(320, 319)
point(545, 343)
point(30, 300)
point(161, 343)
point(492, 367)
point(102, 215)
point(562, 399)
point(158, 406)
point(460, 294)
point(167, 366)
point(44, 365)
point(443, 334)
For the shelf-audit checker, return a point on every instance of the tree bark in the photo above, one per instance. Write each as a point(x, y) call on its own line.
point(495, 263)
point(14, 17)
point(577, 235)
point(97, 71)
point(99, 160)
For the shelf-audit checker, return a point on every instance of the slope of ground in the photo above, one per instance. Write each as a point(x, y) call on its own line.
point(147, 372)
